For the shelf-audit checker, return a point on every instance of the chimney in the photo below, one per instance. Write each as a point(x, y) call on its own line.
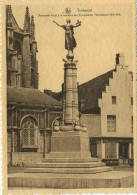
point(120, 59)
point(48, 92)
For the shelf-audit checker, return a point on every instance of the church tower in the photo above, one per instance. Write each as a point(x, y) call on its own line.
point(22, 65)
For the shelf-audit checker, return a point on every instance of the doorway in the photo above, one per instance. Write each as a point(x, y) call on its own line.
point(93, 149)
point(123, 153)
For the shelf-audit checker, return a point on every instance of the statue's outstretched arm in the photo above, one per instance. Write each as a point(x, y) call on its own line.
point(57, 23)
point(77, 24)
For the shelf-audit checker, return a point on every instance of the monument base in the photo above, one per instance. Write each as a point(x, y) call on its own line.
point(69, 154)
point(70, 144)
point(70, 166)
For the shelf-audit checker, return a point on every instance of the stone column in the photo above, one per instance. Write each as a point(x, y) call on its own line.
point(69, 93)
point(21, 139)
point(117, 150)
point(75, 93)
point(103, 149)
point(13, 141)
point(63, 111)
point(45, 148)
point(129, 150)
point(19, 83)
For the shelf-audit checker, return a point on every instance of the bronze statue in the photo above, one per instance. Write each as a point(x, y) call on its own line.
point(70, 42)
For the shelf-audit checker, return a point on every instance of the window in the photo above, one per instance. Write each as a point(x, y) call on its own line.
point(131, 123)
point(113, 99)
point(131, 100)
point(111, 123)
point(17, 47)
point(29, 133)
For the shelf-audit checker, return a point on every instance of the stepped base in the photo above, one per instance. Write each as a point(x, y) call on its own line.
point(62, 160)
point(69, 170)
point(67, 165)
point(69, 155)
point(112, 179)
point(71, 167)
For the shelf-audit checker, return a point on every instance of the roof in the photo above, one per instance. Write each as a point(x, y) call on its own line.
point(89, 92)
point(15, 25)
point(29, 96)
point(92, 90)
point(56, 95)
point(12, 20)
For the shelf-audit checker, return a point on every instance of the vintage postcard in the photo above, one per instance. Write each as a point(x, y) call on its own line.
point(68, 97)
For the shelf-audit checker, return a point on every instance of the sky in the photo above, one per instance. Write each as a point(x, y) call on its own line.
point(98, 39)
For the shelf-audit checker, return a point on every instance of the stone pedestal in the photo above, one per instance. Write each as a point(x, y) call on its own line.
point(73, 144)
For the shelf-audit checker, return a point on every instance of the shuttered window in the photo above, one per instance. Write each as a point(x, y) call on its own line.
point(111, 123)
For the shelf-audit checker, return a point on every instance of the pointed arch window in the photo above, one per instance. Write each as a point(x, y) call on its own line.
point(29, 130)
point(17, 47)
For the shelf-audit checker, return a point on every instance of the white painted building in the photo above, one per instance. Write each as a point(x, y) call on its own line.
point(107, 109)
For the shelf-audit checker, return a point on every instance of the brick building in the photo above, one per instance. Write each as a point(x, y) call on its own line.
point(106, 106)
point(30, 113)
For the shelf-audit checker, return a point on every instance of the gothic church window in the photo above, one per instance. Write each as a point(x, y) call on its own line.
point(17, 47)
point(29, 128)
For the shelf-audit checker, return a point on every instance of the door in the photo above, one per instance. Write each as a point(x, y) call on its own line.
point(93, 149)
point(123, 153)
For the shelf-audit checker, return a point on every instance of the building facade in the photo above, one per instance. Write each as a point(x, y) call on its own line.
point(30, 118)
point(30, 113)
point(22, 65)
